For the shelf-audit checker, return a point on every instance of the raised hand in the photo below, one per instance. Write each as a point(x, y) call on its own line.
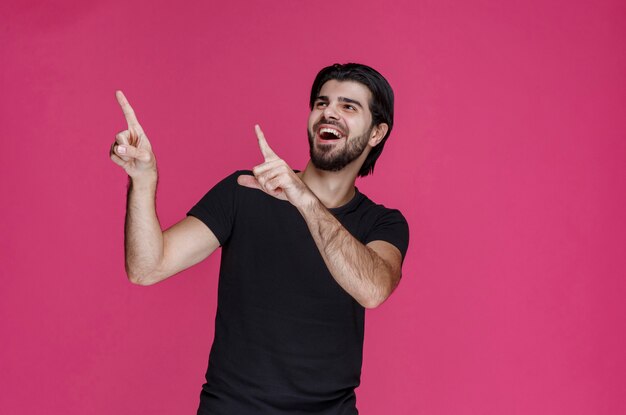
point(275, 177)
point(131, 149)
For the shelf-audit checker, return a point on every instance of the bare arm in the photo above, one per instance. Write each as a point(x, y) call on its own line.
point(152, 255)
point(369, 273)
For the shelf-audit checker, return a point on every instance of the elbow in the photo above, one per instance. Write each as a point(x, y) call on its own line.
point(380, 295)
point(369, 305)
point(139, 278)
point(372, 302)
point(374, 299)
point(136, 279)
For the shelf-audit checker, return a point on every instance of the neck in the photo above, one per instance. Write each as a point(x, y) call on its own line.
point(333, 189)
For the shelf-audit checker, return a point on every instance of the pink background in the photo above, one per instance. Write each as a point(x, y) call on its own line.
point(508, 160)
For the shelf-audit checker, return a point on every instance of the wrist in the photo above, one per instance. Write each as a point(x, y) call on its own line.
point(309, 203)
point(146, 180)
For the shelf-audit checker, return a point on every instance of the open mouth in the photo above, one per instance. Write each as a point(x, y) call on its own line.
point(329, 133)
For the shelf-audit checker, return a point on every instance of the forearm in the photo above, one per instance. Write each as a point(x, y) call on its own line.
point(359, 270)
point(368, 273)
point(143, 241)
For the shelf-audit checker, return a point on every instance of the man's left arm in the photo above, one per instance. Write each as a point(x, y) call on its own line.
point(369, 273)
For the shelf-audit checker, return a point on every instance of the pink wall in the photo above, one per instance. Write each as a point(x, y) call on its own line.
point(508, 159)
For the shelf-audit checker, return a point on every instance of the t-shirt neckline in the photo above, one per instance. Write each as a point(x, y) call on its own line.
point(348, 205)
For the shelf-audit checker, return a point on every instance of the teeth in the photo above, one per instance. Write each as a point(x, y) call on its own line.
point(331, 131)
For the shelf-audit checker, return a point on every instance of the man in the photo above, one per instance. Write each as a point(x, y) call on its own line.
point(303, 253)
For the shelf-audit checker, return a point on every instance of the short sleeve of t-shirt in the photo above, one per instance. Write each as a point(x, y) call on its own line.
point(217, 208)
point(392, 227)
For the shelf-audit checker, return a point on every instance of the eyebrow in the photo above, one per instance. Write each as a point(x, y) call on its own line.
point(341, 99)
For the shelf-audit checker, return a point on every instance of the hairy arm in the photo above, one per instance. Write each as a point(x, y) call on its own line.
point(369, 273)
point(143, 238)
point(153, 255)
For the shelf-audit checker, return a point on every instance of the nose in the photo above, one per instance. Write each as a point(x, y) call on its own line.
point(330, 112)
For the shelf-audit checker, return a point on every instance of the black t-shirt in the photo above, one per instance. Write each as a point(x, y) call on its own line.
point(288, 338)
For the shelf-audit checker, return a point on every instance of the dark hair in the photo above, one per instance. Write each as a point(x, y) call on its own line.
point(381, 104)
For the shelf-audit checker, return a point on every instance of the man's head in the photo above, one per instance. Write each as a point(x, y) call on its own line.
point(351, 112)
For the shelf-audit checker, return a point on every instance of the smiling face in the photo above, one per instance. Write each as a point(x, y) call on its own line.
point(340, 124)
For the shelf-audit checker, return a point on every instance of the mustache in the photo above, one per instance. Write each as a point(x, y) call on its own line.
point(328, 122)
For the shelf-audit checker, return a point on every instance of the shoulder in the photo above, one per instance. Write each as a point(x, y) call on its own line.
point(232, 178)
point(229, 183)
point(377, 211)
point(384, 223)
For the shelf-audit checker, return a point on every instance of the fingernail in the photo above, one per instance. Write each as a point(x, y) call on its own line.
point(121, 149)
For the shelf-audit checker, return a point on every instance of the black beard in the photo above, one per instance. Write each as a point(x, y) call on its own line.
point(321, 156)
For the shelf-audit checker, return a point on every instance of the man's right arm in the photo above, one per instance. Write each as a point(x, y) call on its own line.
point(151, 254)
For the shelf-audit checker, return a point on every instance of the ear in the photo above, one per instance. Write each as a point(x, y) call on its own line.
point(378, 133)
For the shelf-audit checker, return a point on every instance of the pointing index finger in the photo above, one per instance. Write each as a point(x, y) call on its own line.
point(128, 111)
point(266, 150)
